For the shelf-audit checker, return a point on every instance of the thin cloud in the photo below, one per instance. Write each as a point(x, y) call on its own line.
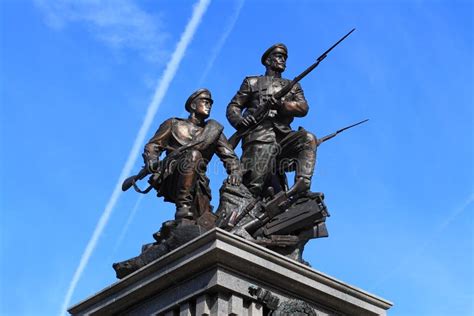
point(120, 24)
point(215, 53)
point(218, 47)
point(409, 259)
point(199, 9)
point(130, 219)
point(216, 50)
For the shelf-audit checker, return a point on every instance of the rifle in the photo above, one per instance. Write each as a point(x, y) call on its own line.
point(283, 199)
point(262, 111)
point(328, 137)
point(130, 181)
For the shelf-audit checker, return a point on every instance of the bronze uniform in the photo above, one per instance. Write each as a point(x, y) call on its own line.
point(272, 147)
point(183, 180)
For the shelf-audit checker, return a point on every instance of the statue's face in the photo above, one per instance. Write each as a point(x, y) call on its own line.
point(277, 61)
point(203, 106)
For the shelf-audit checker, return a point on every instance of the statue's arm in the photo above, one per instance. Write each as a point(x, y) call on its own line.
point(296, 104)
point(237, 104)
point(227, 155)
point(159, 141)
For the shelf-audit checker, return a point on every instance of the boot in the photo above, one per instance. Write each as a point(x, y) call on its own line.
point(183, 212)
point(302, 185)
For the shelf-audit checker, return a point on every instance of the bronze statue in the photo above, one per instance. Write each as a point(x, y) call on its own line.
point(270, 104)
point(278, 217)
point(182, 179)
point(181, 176)
point(258, 205)
point(272, 147)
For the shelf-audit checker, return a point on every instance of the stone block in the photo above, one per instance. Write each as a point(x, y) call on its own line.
point(211, 276)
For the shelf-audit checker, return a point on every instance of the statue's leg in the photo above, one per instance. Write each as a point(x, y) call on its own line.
point(302, 149)
point(258, 161)
point(306, 159)
point(188, 167)
point(202, 195)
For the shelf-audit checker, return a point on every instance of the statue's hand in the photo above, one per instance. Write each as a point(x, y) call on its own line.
point(248, 121)
point(234, 179)
point(274, 103)
point(152, 165)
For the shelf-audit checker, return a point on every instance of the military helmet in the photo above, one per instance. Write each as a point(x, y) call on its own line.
point(197, 94)
point(279, 47)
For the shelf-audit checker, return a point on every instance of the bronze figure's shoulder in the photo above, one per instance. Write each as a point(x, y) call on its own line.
point(214, 124)
point(252, 80)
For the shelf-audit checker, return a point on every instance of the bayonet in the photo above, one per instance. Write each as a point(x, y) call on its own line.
point(328, 137)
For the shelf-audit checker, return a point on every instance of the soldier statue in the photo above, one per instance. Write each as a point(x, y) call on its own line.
point(272, 147)
point(182, 179)
point(255, 200)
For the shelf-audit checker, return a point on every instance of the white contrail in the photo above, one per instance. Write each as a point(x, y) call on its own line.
point(130, 218)
point(215, 53)
point(198, 11)
point(218, 47)
point(409, 259)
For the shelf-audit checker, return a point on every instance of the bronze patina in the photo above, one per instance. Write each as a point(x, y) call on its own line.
point(189, 145)
point(278, 217)
point(256, 201)
point(181, 178)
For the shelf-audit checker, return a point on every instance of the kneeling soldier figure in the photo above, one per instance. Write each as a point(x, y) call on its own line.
point(271, 147)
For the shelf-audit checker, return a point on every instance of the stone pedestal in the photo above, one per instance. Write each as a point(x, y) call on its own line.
point(212, 274)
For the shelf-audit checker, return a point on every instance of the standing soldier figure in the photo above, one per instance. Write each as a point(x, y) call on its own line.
point(272, 147)
point(182, 179)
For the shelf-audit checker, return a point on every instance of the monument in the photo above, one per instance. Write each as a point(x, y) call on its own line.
point(247, 257)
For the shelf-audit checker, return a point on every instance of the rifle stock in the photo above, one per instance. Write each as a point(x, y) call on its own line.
point(128, 183)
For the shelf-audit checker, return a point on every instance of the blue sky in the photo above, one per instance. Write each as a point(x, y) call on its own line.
point(78, 76)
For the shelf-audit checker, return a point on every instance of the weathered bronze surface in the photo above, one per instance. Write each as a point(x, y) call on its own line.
point(256, 202)
point(181, 176)
point(262, 111)
point(189, 145)
point(277, 217)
